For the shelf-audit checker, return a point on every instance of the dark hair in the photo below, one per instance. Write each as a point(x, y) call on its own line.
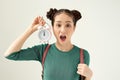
point(51, 14)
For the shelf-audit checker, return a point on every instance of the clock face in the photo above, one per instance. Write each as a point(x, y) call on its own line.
point(44, 35)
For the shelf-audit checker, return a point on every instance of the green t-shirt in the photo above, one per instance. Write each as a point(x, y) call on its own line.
point(58, 65)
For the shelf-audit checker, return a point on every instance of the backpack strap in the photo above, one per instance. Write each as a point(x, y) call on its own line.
point(82, 61)
point(44, 56)
point(81, 56)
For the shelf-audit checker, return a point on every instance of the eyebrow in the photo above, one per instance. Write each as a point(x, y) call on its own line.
point(65, 21)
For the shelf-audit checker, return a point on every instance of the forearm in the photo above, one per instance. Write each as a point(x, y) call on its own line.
point(18, 43)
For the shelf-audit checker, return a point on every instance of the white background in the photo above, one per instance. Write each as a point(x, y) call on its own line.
point(98, 31)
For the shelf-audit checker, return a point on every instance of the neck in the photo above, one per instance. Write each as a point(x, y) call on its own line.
point(64, 47)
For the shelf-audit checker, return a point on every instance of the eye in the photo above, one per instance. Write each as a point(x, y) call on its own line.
point(58, 25)
point(68, 25)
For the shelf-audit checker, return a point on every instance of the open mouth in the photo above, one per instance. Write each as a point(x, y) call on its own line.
point(63, 38)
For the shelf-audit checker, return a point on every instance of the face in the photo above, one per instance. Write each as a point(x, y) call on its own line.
point(63, 28)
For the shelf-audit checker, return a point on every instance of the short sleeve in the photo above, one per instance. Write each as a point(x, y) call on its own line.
point(86, 57)
point(33, 53)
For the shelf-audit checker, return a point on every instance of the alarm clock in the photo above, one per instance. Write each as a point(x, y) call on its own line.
point(44, 33)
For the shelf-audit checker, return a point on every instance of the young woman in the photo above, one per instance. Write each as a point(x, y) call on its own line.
point(63, 58)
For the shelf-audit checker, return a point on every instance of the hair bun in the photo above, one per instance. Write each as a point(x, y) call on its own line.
point(76, 14)
point(51, 13)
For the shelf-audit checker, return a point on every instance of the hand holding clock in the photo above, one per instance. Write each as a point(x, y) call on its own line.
point(38, 21)
point(44, 29)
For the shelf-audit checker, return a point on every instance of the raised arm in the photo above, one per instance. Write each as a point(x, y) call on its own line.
point(18, 43)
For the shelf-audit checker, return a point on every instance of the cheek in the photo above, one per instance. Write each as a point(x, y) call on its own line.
point(71, 32)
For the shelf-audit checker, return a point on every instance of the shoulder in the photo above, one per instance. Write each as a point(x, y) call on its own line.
point(84, 50)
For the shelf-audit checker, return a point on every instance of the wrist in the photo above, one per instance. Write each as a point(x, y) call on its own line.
point(30, 30)
point(87, 78)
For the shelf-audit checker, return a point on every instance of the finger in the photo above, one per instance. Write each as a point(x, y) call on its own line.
point(35, 21)
point(80, 67)
point(41, 21)
point(81, 64)
point(80, 72)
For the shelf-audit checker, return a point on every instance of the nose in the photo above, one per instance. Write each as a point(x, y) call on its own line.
point(63, 30)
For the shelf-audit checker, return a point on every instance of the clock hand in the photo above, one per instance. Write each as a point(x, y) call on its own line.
point(44, 33)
